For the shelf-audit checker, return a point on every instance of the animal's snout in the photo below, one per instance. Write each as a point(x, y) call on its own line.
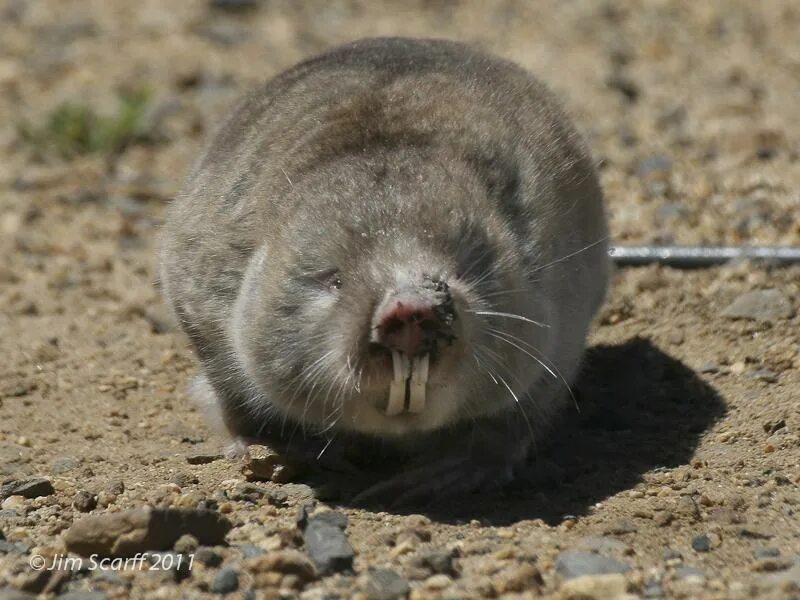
point(407, 326)
point(414, 321)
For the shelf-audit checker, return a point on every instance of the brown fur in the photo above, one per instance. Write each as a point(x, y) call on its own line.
point(379, 158)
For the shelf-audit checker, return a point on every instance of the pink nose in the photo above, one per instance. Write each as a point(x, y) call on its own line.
point(408, 325)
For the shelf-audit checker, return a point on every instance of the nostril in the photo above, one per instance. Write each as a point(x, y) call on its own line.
point(407, 326)
point(392, 326)
point(429, 325)
point(414, 320)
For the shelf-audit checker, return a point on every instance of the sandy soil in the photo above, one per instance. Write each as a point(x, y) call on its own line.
point(689, 426)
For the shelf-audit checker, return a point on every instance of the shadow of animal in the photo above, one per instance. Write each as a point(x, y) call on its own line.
point(640, 409)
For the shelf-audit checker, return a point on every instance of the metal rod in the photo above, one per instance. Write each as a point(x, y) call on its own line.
point(693, 257)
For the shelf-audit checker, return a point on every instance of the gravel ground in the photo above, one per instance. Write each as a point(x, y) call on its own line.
point(679, 477)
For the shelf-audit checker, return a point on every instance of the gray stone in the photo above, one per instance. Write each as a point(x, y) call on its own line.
point(110, 577)
point(234, 5)
point(596, 543)
point(9, 593)
point(766, 375)
point(84, 501)
point(83, 595)
point(653, 589)
point(226, 581)
point(327, 543)
point(247, 492)
point(672, 554)
point(7, 547)
point(766, 552)
point(686, 572)
point(621, 527)
point(64, 464)
point(658, 164)
point(437, 562)
point(575, 563)
point(701, 543)
point(383, 584)
point(27, 488)
point(203, 458)
point(760, 305)
point(209, 557)
point(251, 550)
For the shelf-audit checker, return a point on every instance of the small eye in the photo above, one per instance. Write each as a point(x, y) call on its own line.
point(329, 278)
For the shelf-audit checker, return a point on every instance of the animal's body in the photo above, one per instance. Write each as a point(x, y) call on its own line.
point(401, 240)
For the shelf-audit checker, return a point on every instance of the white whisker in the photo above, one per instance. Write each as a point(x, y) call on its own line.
point(570, 255)
point(492, 313)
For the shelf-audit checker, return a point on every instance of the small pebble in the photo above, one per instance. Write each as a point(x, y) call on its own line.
point(81, 595)
point(438, 582)
point(250, 550)
point(766, 375)
point(247, 492)
point(282, 562)
point(202, 458)
point(687, 507)
point(653, 589)
point(183, 480)
point(186, 544)
point(234, 5)
point(670, 554)
point(14, 503)
point(208, 556)
point(261, 463)
point(772, 426)
point(771, 564)
point(687, 572)
point(7, 547)
point(657, 165)
point(701, 543)
point(27, 488)
point(626, 86)
point(760, 305)
point(64, 464)
point(621, 527)
point(523, 578)
point(84, 501)
point(327, 543)
point(766, 552)
point(575, 563)
point(610, 586)
point(437, 561)
point(226, 581)
point(383, 584)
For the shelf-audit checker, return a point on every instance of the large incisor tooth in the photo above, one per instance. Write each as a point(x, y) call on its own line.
point(419, 382)
point(397, 390)
point(397, 398)
point(401, 366)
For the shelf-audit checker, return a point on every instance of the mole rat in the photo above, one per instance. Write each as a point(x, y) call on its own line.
point(401, 241)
